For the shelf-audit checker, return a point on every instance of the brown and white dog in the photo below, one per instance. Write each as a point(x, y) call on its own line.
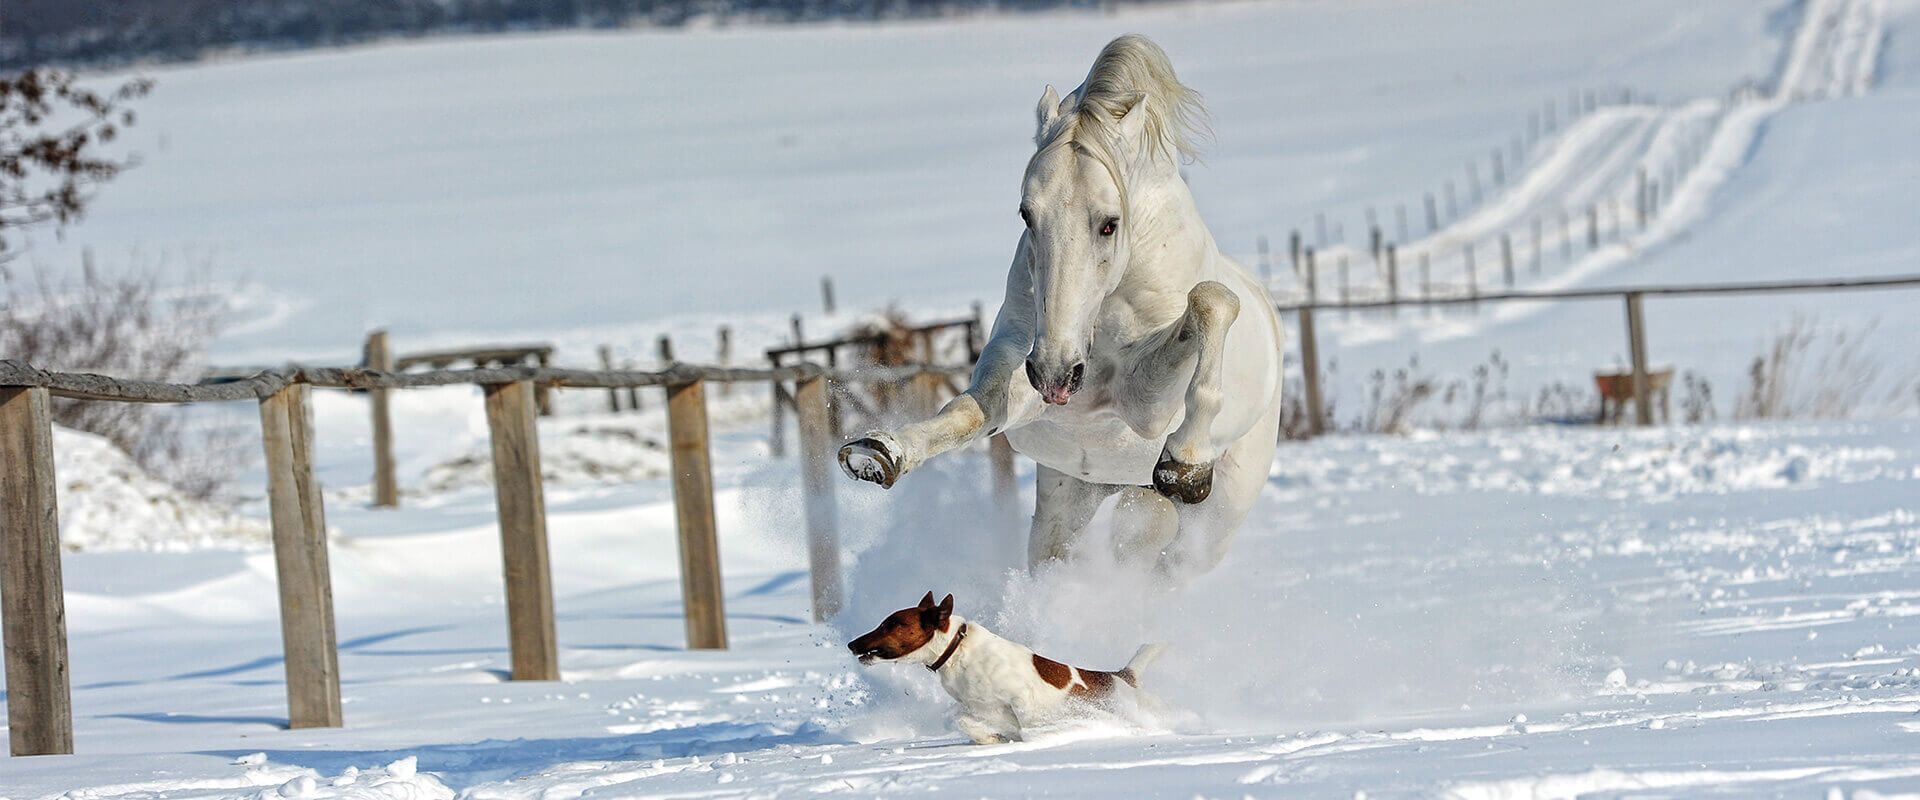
point(1001, 685)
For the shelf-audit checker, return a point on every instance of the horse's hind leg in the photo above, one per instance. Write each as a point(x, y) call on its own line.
point(1063, 507)
point(1144, 525)
point(1208, 528)
point(1185, 470)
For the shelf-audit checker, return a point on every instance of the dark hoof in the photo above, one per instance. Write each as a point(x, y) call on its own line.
point(871, 460)
point(1184, 483)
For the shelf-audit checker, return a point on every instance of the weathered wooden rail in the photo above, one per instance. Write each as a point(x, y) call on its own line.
point(1632, 296)
point(32, 604)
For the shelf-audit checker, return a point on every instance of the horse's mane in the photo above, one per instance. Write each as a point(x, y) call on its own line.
point(1128, 67)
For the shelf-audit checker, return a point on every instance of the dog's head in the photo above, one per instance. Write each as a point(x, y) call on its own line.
point(904, 631)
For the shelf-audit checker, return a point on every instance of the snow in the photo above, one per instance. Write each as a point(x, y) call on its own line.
point(107, 502)
point(1477, 614)
point(1535, 611)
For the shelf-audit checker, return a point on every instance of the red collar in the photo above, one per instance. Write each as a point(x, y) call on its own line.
point(951, 647)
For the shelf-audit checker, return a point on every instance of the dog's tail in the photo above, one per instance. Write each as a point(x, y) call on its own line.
point(1142, 658)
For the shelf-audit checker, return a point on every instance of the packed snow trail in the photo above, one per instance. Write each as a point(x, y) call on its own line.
point(1614, 181)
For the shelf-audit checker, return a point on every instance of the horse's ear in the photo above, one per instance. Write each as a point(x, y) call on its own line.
point(1046, 112)
point(1133, 120)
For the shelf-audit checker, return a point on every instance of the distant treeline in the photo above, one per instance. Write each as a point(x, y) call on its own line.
point(109, 32)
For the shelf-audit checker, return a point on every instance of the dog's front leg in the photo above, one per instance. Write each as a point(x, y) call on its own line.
point(1185, 470)
point(980, 731)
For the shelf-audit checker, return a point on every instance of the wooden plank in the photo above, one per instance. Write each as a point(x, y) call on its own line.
point(700, 585)
point(32, 599)
point(518, 491)
point(818, 475)
point(1637, 349)
point(386, 487)
point(1310, 371)
point(300, 561)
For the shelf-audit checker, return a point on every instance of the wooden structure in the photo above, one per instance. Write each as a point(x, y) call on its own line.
point(1616, 391)
point(32, 606)
point(1644, 384)
point(378, 356)
point(922, 392)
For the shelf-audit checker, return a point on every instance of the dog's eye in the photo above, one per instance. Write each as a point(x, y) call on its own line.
point(1112, 224)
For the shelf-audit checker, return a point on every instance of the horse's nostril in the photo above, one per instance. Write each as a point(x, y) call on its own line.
point(1033, 375)
point(1079, 374)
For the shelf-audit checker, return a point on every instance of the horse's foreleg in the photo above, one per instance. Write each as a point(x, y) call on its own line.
point(1063, 507)
point(1185, 470)
point(993, 403)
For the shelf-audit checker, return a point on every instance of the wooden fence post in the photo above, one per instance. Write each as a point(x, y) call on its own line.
point(700, 586)
point(606, 363)
point(518, 492)
point(1310, 369)
point(1393, 277)
point(777, 437)
point(725, 355)
point(1506, 259)
point(817, 476)
point(826, 293)
point(386, 487)
point(32, 599)
point(300, 561)
point(1313, 278)
point(1637, 349)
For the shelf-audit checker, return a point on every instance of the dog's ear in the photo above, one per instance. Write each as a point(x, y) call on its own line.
point(927, 602)
point(946, 608)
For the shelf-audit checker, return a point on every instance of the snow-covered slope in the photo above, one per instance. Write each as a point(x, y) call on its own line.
point(530, 187)
point(107, 502)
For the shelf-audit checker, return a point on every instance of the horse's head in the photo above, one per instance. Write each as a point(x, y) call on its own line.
point(1074, 203)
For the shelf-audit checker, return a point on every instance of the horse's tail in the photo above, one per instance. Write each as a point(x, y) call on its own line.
point(1142, 658)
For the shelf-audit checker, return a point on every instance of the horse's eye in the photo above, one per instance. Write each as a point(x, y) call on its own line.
point(1026, 216)
point(1112, 224)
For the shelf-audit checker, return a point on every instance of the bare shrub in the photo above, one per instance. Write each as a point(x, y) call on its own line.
point(1696, 399)
point(133, 325)
point(1391, 403)
point(1806, 372)
point(51, 132)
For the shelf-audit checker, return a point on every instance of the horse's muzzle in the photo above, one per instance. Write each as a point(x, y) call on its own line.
point(1056, 390)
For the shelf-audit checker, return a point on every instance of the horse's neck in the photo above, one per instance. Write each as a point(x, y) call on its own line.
point(1174, 250)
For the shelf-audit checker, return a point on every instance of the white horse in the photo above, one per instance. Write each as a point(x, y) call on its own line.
point(1152, 360)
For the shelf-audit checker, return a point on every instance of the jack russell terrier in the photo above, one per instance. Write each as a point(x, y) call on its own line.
point(1001, 685)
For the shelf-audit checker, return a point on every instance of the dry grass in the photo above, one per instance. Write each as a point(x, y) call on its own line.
point(137, 325)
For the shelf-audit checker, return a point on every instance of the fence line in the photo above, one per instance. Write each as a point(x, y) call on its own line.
point(1636, 329)
point(32, 600)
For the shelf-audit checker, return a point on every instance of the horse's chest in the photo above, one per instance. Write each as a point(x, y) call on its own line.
point(1094, 446)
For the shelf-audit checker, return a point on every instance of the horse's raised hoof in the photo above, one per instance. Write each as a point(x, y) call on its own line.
point(872, 459)
point(1183, 483)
